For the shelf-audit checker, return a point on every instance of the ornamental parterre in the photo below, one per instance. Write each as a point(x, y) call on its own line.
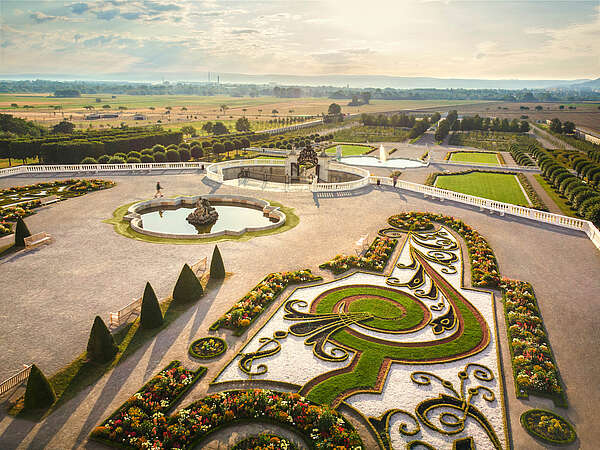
point(548, 426)
point(375, 258)
point(249, 307)
point(208, 347)
point(534, 367)
point(265, 441)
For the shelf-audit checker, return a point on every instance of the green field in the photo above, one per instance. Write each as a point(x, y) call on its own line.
point(503, 187)
point(475, 157)
point(362, 133)
point(350, 150)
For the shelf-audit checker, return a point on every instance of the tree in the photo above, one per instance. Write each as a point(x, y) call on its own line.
point(561, 107)
point(524, 126)
point(539, 108)
point(274, 111)
point(39, 393)
point(217, 269)
point(189, 130)
point(151, 315)
point(64, 127)
point(218, 148)
point(219, 128)
point(556, 125)
point(223, 108)
point(21, 232)
point(101, 346)
point(334, 108)
point(242, 124)
point(173, 155)
point(208, 126)
point(106, 106)
point(568, 127)
point(188, 288)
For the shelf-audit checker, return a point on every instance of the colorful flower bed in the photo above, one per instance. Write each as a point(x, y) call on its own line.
point(412, 221)
point(208, 347)
point(322, 427)
point(548, 426)
point(534, 367)
point(265, 441)
point(375, 259)
point(484, 268)
point(141, 422)
point(251, 305)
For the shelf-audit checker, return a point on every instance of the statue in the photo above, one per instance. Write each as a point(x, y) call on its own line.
point(204, 214)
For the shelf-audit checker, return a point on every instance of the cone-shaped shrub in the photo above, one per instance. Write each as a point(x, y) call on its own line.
point(101, 346)
point(217, 269)
point(188, 288)
point(21, 232)
point(151, 315)
point(39, 394)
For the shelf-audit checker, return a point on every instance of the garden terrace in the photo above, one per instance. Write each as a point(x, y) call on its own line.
point(474, 157)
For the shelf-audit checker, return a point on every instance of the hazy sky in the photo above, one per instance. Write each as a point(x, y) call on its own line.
point(449, 39)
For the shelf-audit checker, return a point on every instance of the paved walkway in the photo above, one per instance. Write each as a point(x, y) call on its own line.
point(49, 296)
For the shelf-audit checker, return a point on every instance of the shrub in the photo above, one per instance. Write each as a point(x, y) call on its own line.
point(577, 190)
point(564, 185)
point(217, 269)
point(147, 158)
point(133, 160)
point(88, 160)
point(147, 151)
point(104, 159)
point(158, 148)
point(101, 346)
point(184, 154)
point(583, 196)
point(151, 315)
point(184, 145)
point(188, 288)
point(38, 394)
point(21, 232)
point(121, 155)
point(116, 160)
point(160, 157)
point(173, 155)
point(586, 204)
point(196, 152)
point(593, 214)
point(134, 154)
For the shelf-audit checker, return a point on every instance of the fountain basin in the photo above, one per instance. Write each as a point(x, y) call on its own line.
point(394, 163)
point(166, 217)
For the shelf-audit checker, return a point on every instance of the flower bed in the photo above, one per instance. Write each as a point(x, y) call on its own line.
point(251, 305)
point(141, 422)
point(320, 426)
point(265, 441)
point(207, 347)
point(548, 426)
point(375, 259)
point(411, 221)
point(484, 268)
point(534, 367)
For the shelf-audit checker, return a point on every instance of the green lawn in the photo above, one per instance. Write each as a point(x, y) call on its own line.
point(503, 187)
point(475, 157)
point(350, 150)
point(560, 201)
point(16, 162)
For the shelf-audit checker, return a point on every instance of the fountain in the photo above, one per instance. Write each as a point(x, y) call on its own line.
point(338, 152)
point(383, 156)
point(204, 214)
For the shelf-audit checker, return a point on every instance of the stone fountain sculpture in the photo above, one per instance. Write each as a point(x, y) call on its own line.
point(383, 155)
point(204, 214)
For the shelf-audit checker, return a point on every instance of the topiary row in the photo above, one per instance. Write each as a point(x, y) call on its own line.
point(156, 154)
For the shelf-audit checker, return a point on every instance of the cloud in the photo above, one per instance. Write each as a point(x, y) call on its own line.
point(244, 31)
point(40, 17)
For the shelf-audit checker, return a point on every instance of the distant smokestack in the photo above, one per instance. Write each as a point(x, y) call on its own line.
point(218, 79)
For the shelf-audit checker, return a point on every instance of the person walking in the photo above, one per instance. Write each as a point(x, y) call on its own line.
point(395, 180)
point(158, 190)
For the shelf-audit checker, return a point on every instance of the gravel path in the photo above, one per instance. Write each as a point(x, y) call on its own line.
point(50, 295)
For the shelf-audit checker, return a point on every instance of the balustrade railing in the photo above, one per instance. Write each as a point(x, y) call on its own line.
point(15, 380)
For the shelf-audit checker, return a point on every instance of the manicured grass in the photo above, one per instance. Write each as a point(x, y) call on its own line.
point(503, 187)
point(16, 162)
point(362, 133)
point(475, 157)
point(560, 201)
point(350, 150)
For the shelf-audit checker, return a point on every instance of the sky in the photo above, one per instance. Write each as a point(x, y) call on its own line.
point(492, 39)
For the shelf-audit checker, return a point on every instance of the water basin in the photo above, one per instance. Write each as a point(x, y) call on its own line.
point(371, 161)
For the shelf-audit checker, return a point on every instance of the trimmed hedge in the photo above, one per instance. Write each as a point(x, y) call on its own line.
point(217, 268)
point(101, 347)
point(21, 232)
point(38, 394)
point(151, 315)
point(188, 288)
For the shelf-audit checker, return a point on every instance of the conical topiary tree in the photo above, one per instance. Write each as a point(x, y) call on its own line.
point(217, 269)
point(188, 287)
point(39, 394)
point(101, 346)
point(151, 315)
point(21, 232)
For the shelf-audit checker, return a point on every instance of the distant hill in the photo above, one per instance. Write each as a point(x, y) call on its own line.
point(591, 84)
point(353, 81)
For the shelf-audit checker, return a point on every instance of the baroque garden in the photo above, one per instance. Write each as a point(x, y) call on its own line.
point(365, 312)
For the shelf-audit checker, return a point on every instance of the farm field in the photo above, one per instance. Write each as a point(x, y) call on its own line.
point(350, 150)
point(198, 108)
point(502, 187)
point(362, 133)
point(475, 157)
